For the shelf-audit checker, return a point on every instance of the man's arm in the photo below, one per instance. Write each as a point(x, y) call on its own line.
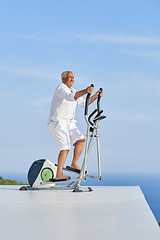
point(83, 92)
point(95, 96)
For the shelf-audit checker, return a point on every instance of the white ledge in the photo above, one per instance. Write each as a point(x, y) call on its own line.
point(109, 213)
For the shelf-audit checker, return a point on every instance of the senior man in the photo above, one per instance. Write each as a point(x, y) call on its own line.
point(62, 123)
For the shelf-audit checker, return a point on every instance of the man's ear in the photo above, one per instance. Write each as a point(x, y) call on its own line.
point(63, 80)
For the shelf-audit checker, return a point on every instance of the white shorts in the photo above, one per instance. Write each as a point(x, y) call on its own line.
point(65, 133)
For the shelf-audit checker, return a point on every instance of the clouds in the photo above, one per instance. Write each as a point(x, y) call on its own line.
point(115, 45)
point(115, 38)
point(108, 38)
point(42, 105)
point(132, 83)
point(134, 117)
point(151, 54)
point(34, 71)
point(149, 45)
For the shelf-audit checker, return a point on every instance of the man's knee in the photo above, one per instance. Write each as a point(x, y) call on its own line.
point(64, 151)
point(80, 141)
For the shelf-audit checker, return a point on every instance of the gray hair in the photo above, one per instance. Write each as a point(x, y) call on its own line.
point(64, 74)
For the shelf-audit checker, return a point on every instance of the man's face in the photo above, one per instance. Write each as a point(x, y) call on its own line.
point(69, 80)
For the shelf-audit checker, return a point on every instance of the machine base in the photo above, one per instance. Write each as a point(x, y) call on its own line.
point(75, 189)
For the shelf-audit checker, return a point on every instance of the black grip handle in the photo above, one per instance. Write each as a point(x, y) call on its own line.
point(89, 118)
point(98, 100)
point(87, 101)
point(101, 111)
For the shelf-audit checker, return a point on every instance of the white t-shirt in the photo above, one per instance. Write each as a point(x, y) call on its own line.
point(63, 103)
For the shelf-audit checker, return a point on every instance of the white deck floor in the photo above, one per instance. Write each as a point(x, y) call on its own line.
point(110, 213)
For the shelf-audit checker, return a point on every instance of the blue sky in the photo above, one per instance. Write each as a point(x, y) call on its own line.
point(113, 44)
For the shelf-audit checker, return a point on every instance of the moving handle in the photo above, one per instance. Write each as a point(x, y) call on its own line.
point(87, 101)
point(97, 110)
point(98, 116)
point(98, 104)
point(98, 100)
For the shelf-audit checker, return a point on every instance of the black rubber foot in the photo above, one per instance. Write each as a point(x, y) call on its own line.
point(90, 189)
point(23, 188)
point(83, 189)
point(77, 190)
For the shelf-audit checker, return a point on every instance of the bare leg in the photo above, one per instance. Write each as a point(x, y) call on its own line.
point(61, 160)
point(79, 145)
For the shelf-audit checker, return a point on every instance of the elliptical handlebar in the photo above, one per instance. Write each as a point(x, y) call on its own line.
point(98, 100)
point(87, 101)
point(97, 110)
point(89, 118)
